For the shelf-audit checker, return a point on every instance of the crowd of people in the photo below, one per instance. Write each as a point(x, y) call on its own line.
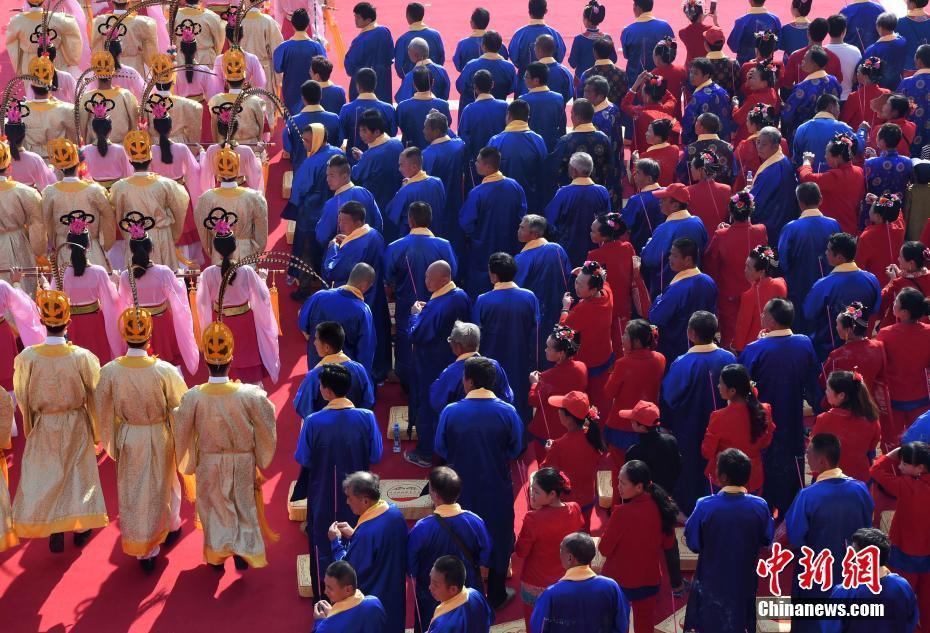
point(703, 273)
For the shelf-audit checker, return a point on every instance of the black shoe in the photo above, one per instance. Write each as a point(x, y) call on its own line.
point(172, 537)
point(240, 563)
point(56, 542)
point(81, 538)
point(147, 564)
point(510, 594)
point(218, 567)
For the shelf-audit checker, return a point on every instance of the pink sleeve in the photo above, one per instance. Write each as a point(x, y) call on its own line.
point(42, 174)
point(266, 327)
point(110, 306)
point(66, 85)
point(25, 314)
point(181, 318)
point(161, 28)
point(251, 169)
point(256, 72)
point(192, 177)
point(207, 289)
point(207, 176)
point(126, 166)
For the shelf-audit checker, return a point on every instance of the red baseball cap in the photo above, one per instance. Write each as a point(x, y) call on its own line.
point(644, 412)
point(575, 402)
point(675, 191)
point(713, 35)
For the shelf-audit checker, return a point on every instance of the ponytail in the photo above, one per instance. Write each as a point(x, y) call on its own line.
point(638, 473)
point(588, 425)
point(858, 400)
point(188, 49)
point(914, 302)
point(163, 127)
point(102, 129)
point(141, 255)
point(642, 331)
point(78, 259)
point(736, 377)
point(225, 245)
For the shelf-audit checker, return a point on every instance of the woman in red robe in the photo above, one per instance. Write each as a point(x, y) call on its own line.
point(853, 418)
point(746, 155)
point(709, 199)
point(760, 87)
point(654, 102)
point(608, 231)
point(761, 267)
point(676, 77)
point(858, 352)
point(910, 272)
point(842, 186)
point(662, 149)
point(766, 46)
point(880, 243)
point(858, 106)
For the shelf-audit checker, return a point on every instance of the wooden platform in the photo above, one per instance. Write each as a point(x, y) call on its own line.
point(674, 623)
point(304, 580)
point(688, 558)
point(291, 228)
point(296, 510)
point(598, 563)
point(605, 489)
point(406, 494)
point(286, 183)
point(399, 415)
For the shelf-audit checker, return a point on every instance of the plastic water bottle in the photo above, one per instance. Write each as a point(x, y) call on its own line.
point(396, 437)
point(749, 178)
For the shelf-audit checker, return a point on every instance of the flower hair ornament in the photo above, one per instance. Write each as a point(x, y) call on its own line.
point(845, 139)
point(593, 414)
point(613, 220)
point(692, 8)
point(43, 36)
point(656, 81)
point(77, 221)
point(99, 106)
point(220, 221)
point(593, 268)
point(888, 200)
point(566, 482)
point(765, 254)
point(562, 333)
point(655, 330)
point(111, 29)
point(742, 200)
point(668, 42)
point(857, 376)
point(188, 30)
point(16, 111)
point(766, 36)
point(871, 65)
point(224, 112)
point(159, 106)
point(137, 225)
point(761, 111)
point(854, 310)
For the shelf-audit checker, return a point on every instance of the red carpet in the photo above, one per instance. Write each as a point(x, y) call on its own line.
point(101, 590)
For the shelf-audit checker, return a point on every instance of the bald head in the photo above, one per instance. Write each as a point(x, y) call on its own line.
point(362, 277)
point(438, 274)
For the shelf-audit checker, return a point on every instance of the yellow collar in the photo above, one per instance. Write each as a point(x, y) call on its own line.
point(801, 20)
point(539, 241)
point(441, 139)
point(337, 403)
point(708, 137)
point(756, 11)
point(312, 108)
point(361, 231)
point(535, 22)
point(367, 96)
point(381, 140)
point(811, 213)
point(300, 36)
point(136, 362)
point(418, 26)
point(517, 126)
point(494, 56)
point(478, 32)
point(481, 394)
point(645, 17)
point(603, 105)
point(424, 95)
point(752, 136)
point(421, 231)
point(449, 287)
point(833, 473)
point(771, 160)
point(355, 291)
point(888, 38)
point(349, 603)
point(581, 572)
point(420, 176)
point(651, 187)
point(373, 512)
point(685, 274)
point(344, 188)
point(734, 490)
point(424, 62)
point(704, 85)
point(923, 71)
point(495, 177)
point(585, 127)
point(848, 267)
point(505, 285)
point(657, 147)
point(547, 60)
point(337, 358)
point(603, 62)
point(370, 27)
point(779, 333)
point(684, 214)
point(448, 510)
point(586, 182)
point(824, 115)
point(702, 349)
point(451, 604)
point(484, 96)
point(325, 84)
point(466, 355)
point(715, 55)
point(540, 89)
point(916, 13)
point(820, 74)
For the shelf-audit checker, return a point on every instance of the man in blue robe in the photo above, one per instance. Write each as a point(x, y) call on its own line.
point(338, 173)
point(643, 212)
point(561, 80)
point(728, 530)
point(437, 50)
point(376, 547)
point(766, 360)
point(825, 515)
point(544, 269)
point(917, 89)
point(580, 600)
point(829, 296)
point(469, 48)
point(337, 440)
point(481, 119)
point(444, 158)
point(376, 167)
point(372, 48)
point(640, 38)
point(405, 264)
point(707, 128)
point(742, 39)
point(503, 72)
point(418, 186)
point(418, 50)
point(350, 611)
point(801, 104)
point(889, 172)
point(657, 269)
point(586, 138)
point(351, 114)
point(523, 153)
point(461, 609)
point(357, 243)
point(707, 97)
point(575, 206)
point(444, 533)
point(509, 320)
point(429, 328)
point(815, 134)
point(605, 58)
point(334, 96)
point(292, 59)
point(891, 48)
point(547, 109)
point(860, 20)
point(772, 185)
point(328, 341)
point(523, 42)
point(413, 110)
point(802, 245)
point(608, 119)
point(312, 112)
point(479, 437)
point(489, 219)
point(689, 396)
point(347, 306)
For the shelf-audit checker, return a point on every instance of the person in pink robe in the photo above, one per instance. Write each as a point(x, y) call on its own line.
point(254, 73)
point(64, 91)
point(106, 169)
point(31, 169)
point(25, 314)
point(250, 168)
point(161, 26)
point(127, 78)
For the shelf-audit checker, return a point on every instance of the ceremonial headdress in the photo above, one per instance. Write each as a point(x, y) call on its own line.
point(162, 67)
point(43, 69)
point(77, 221)
point(138, 145)
point(137, 224)
point(54, 307)
point(226, 163)
point(99, 106)
point(220, 221)
point(217, 343)
point(103, 64)
point(158, 106)
point(16, 111)
point(234, 65)
point(135, 323)
point(63, 153)
point(5, 157)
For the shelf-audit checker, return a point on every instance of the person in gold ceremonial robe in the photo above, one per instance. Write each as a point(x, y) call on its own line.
point(139, 42)
point(150, 194)
point(25, 29)
point(250, 122)
point(186, 114)
point(61, 198)
point(207, 27)
point(248, 205)
point(121, 104)
point(261, 34)
point(22, 232)
point(59, 486)
point(49, 118)
point(134, 399)
point(8, 536)
point(224, 432)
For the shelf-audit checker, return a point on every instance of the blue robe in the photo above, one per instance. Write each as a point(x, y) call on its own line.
point(643, 216)
point(594, 605)
point(448, 387)
point(711, 98)
point(489, 219)
point(638, 41)
point(860, 23)
point(914, 33)
point(351, 112)
point(479, 437)
point(437, 50)
point(332, 444)
point(378, 554)
point(775, 205)
point(814, 135)
point(545, 270)
point(441, 84)
point(791, 38)
point(830, 296)
point(824, 516)
point(430, 190)
point(523, 48)
point(918, 431)
point(581, 55)
point(480, 121)
point(671, 310)
point(445, 159)
point(429, 332)
point(334, 97)
point(361, 392)
point(901, 612)
point(354, 316)
point(766, 360)
point(570, 215)
point(801, 248)
point(509, 322)
point(475, 616)
point(292, 59)
point(655, 269)
point(411, 115)
point(429, 541)
point(309, 193)
point(469, 48)
point(502, 72)
point(523, 157)
point(609, 120)
point(291, 137)
point(326, 227)
point(742, 39)
point(893, 54)
point(727, 530)
point(889, 172)
point(561, 81)
point(405, 264)
point(689, 396)
point(367, 617)
point(547, 115)
point(917, 89)
point(372, 49)
point(594, 143)
point(377, 172)
point(801, 104)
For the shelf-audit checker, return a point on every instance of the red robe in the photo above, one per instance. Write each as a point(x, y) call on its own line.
point(633, 543)
point(793, 74)
point(626, 286)
point(751, 304)
point(858, 438)
point(637, 375)
point(908, 531)
point(676, 83)
point(574, 455)
point(858, 106)
point(592, 319)
point(643, 115)
point(667, 156)
point(908, 345)
point(879, 245)
point(752, 63)
point(539, 540)
point(692, 36)
point(843, 189)
point(890, 291)
point(729, 428)
point(867, 356)
point(747, 159)
point(556, 381)
point(767, 96)
point(908, 130)
point(710, 201)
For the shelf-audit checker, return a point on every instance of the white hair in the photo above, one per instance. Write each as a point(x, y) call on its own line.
point(582, 163)
point(419, 46)
point(468, 335)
